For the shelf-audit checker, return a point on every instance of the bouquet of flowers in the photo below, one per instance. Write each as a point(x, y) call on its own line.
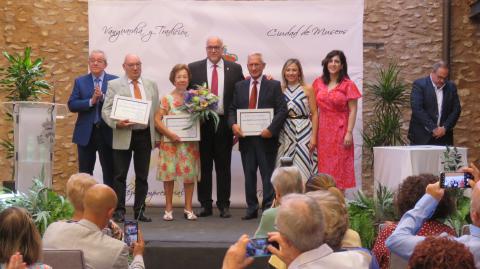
point(201, 104)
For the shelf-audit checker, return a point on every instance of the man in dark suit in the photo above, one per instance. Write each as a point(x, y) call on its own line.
point(258, 151)
point(91, 133)
point(435, 108)
point(220, 76)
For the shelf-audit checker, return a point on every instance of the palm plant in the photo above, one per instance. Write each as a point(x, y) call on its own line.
point(388, 94)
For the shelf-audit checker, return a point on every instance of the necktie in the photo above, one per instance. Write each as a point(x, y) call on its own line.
point(252, 104)
point(136, 90)
point(214, 86)
point(97, 107)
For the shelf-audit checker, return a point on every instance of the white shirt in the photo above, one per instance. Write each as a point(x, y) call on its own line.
point(439, 93)
point(221, 79)
point(140, 85)
point(324, 257)
point(259, 82)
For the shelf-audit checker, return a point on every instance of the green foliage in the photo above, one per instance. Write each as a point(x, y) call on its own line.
point(44, 205)
point(461, 216)
point(388, 95)
point(366, 213)
point(451, 159)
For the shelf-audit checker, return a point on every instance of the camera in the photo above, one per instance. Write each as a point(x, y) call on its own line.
point(455, 180)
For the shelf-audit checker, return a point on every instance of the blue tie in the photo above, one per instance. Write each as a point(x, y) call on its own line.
point(97, 107)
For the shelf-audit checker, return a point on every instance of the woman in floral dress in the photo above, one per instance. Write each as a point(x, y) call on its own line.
point(178, 161)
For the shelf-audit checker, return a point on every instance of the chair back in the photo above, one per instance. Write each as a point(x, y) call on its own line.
point(64, 258)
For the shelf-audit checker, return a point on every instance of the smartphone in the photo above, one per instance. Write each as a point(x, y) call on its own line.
point(455, 180)
point(257, 247)
point(130, 229)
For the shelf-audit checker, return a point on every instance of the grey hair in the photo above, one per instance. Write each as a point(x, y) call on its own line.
point(215, 37)
point(287, 180)
point(438, 65)
point(301, 221)
point(99, 51)
point(258, 54)
point(77, 186)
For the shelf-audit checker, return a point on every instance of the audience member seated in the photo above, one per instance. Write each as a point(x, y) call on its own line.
point(21, 244)
point(100, 251)
point(285, 180)
point(326, 182)
point(408, 194)
point(441, 253)
point(404, 239)
point(77, 185)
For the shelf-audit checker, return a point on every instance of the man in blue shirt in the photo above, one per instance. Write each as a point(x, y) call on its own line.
point(404, 239)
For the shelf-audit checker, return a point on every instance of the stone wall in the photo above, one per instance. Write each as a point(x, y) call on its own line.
point(408, 31)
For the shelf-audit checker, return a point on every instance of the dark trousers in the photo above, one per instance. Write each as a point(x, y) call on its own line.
point(215, 147)
point(255, 156)
point(87, 154)
point(141, 147)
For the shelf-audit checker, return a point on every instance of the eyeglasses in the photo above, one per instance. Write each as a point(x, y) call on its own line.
point(96, 61)
point(134, 65)
point(214, 48)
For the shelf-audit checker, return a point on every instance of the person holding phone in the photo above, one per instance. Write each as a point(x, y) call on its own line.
point(404, 239)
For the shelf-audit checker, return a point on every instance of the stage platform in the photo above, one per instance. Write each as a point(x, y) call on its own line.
point(199, 244)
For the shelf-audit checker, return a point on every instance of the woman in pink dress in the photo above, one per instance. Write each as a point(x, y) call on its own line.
point(336, 97)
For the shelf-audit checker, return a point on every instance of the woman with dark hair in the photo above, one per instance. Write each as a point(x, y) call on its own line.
point(409, 192)
point(336, 97)
point(441, 253)
point(298, 137)
point(18, 235)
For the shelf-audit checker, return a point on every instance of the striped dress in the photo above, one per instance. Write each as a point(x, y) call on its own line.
point(296, 132)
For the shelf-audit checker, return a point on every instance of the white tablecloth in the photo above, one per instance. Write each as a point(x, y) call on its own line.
point(393, 164)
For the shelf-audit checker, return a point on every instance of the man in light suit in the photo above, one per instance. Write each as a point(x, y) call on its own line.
point(91, 133)
point(99, 250)
point(220, 76)
point(129, 137)
point(435, 108)
point(258, 151)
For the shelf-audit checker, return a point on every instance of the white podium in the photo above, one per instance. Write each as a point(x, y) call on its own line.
point(34, 136)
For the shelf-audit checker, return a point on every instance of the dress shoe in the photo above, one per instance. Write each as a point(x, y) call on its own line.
point(118, 217)
point(225, 213)
point(205, 212)
point(142, 218)
point(250, 216)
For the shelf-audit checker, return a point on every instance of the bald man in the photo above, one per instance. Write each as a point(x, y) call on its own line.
point(130, 138)
point(100, 251)
point(404, 239)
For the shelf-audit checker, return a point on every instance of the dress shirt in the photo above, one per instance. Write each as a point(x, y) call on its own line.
point(221, 79)
point(144, 98)
point(259, 82)
point(439, 93)
point(403, 240)
point(100, 84)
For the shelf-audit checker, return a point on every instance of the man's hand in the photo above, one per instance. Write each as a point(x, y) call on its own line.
point(124, 124)
point(439, 132)
point(435, 191)
point(236, 258)
point(287, 253)
point(472, 169)
point(97, 95)
point(237, 131)
point(266, 133)
point(139, 246)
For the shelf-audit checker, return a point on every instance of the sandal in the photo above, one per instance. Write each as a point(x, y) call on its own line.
point(189, 215)
point(168, 216)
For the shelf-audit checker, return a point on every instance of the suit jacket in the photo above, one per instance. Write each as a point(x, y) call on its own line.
point(232, 74)
point(100, 251)
point(122, 137)
point(270, 96)
point(79, 102)
point(425, 111)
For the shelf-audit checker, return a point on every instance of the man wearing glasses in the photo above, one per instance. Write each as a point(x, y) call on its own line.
point(220, 76)
point(435, 108)
point(91, 133)
point(130, 138)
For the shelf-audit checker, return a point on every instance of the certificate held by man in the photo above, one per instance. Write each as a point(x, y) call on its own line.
point(254, 121)
point(182, 126)
point(132, 109)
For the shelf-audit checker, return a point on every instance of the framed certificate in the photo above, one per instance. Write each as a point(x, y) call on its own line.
point(132, 109)
point(253, 121)
point(180, 125)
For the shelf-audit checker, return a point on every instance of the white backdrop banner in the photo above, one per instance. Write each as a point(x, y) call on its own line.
point(164, 33)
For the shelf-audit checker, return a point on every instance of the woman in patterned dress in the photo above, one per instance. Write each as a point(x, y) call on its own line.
point(178, 161)
point(298, 137)
point(336, 97)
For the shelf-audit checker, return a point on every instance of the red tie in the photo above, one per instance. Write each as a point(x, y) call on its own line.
point(252, 104)
point(214, 80)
